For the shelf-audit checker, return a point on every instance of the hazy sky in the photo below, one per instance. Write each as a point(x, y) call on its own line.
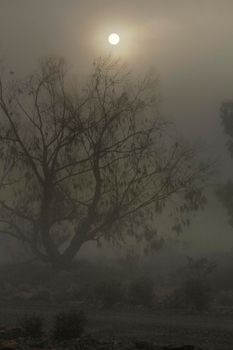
point(188, 42)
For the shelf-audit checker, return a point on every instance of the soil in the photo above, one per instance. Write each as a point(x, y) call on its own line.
point(118, 329)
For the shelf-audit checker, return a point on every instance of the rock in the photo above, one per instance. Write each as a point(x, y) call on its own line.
point(8, 345)
point(12, 339)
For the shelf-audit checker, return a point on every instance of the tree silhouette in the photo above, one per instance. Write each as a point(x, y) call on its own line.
point(225, 191)
point(197, 287)
point(87, 164)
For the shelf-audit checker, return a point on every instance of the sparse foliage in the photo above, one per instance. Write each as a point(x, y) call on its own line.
point(198, 294)
point(32, 325)
point(89, 164)
point(225, 191)
point(197, 288)
point(109, 292)
point(69, 325)
point(141, 291)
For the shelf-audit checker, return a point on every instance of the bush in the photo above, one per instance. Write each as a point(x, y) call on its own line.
point(32, 325)
point(225, 298)
point(109, 293)
point(176, 299)
point(198, 294)
point(69, 325)
point(141, 292)
point(42, 295)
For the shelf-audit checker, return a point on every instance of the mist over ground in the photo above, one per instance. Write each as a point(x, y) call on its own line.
point(186, 277)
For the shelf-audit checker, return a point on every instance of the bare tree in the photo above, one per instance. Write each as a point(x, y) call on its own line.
point(98, 163)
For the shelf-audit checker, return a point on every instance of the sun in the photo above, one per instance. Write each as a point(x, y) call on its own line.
point(114, 39)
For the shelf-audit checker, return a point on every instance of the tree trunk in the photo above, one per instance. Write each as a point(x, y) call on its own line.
point(76, 243)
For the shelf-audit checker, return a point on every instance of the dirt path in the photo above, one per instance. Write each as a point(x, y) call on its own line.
point(212, 332)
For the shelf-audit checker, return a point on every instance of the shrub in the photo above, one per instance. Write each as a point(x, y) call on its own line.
point(198, 294)
point(42, 295)
point(69, 325)
point(176, 299)
point(225, 298)
point(141, 291)
point(86, 292)
point(109, 293)
point(32, 325)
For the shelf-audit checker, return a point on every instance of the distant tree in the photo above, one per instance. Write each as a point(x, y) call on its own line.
point(200, 269)
point(87, 164)
point(225, 191)
point(197, 287)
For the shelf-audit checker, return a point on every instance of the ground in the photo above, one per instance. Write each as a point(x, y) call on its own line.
point(209, 331)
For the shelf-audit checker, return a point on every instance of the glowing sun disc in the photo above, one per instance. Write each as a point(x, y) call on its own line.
point(114, 39)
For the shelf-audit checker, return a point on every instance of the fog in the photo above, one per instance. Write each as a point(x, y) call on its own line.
point(188, 44)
